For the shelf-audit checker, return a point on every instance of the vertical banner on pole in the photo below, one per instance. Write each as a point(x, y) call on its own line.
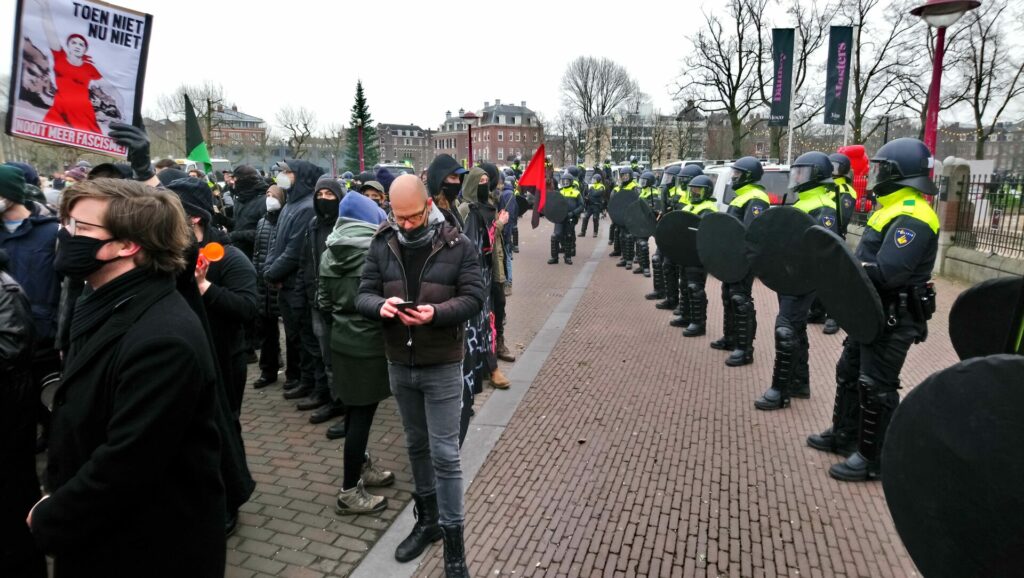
point(837, 74)
point(782, 61)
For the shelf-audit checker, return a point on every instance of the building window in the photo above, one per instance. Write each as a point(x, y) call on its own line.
point(534, 137)
point(501, 137)
point(501, 152)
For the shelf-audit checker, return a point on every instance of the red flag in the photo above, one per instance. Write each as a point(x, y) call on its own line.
point(534, 177)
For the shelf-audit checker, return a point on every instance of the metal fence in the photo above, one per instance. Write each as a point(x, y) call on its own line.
point(990, 218)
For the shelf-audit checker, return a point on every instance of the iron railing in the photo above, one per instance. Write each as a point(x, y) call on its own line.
point(990, 218)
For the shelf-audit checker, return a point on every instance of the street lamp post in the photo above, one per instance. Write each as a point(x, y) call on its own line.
point(362, 160)
point(939, 14)
point(469, 116)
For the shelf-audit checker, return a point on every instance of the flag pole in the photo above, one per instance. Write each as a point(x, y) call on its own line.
point(792, 93)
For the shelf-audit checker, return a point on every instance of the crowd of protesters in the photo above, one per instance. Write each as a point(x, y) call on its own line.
point(133, 297)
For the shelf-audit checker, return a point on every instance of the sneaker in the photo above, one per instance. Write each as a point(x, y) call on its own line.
point(357, 501)
point(373, 476)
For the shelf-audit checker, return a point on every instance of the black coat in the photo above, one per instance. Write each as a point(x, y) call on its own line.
point(313, 249)
point(285, 258)
point(266, 296)
point(250, 207)
point(134, 463)
point(230, 304)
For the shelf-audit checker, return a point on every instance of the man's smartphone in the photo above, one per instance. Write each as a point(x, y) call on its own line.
point(405, 305)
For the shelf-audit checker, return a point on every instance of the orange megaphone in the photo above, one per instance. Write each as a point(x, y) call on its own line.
point(211, 252)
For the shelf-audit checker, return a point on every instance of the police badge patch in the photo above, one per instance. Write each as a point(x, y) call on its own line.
point(904, 237)
point(756, 209)
point(827, 221)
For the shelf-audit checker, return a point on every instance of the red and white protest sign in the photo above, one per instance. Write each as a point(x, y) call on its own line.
point(78, 65)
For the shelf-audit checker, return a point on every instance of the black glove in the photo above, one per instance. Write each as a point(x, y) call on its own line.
point(137, 142)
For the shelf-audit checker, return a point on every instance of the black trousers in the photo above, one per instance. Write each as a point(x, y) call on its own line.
point(358, 420)
point(793, 311)
point(298, 325)
point(881, 360)
point(498, 307)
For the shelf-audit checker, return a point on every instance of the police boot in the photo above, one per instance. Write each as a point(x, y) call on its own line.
point(643, 259)
point(670, 280)
point(569, 247)
point(685, 308)
point(596, 227)
point(659, 280)
point(583, 227)
point(801, 385)
point(841, 437)
point(816, 316)
point(572, 245)
point(728, 340)
point(454, 552)
point(554, 251)
point(628, 246)
point(425, 532)
point(875, 413)
point(515, 240)
point(831, 327)
point(613, 238)
point(746, 325)
point(698, 311)
point(777, 397)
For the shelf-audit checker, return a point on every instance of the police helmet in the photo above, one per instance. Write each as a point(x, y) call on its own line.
point(574, 171)
point(646, 179)
point(687, 173)
point(565, 180)
point(840, 164)
point(347, 175)
point(700, 189)
point(745, 171)
point(607, 161)
point(809, 170)
point(596, 178)
point(625, 175)
point(668, 177)
point(509, 172)
point(632, 158)
point(904, 162)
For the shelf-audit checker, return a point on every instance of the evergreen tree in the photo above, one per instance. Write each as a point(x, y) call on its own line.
point(361, 113)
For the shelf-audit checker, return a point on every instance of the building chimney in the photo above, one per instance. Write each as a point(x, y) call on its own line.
point(523, 104)
point(234, 107)
point(497, 102)
point(447, 114)
point(486, 104)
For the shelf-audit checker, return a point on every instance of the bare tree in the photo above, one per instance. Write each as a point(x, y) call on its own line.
point(574, 130)
point(594, 87)
point(721, 71)
point(662, 130)
point(299, 125)
point(207, 99)
point(881, 55)
point(993, 71)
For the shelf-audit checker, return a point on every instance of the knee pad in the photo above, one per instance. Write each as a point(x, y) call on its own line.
point(785, 337)
point(738, 301)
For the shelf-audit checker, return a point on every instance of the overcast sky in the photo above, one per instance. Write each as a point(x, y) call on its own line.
point(416, 59)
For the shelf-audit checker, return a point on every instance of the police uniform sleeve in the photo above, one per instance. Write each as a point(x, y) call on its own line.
point(907, 242)
point(755, 208)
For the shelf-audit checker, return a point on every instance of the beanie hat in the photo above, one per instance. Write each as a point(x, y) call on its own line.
point(195, 196)
point(31, 175)
point(12, 184)
point(362, 209)
point(168, 176)
point(331, 184)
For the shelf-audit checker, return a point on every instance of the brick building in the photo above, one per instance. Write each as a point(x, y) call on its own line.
point(399, 143)
point(233, 128)
point(500, 132)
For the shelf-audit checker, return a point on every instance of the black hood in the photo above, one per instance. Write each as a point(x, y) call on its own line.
point(248, 183)
point(492, 175)
point(441, 167)
point(306, 175)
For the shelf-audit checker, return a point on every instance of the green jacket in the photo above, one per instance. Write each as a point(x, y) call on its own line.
point(340, 269)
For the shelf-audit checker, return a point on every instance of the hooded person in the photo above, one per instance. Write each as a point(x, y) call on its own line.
point(510, 231)
point(384, 177)
point(327, 199)
point(227, 286)
point(282, 269)
point(444, 182)
point(356, 347)
point(249, 192)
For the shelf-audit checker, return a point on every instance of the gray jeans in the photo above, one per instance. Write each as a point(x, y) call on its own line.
point(430, 403)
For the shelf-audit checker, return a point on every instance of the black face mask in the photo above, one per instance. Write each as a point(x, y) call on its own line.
point(451, 191)
point(76, 255)
point(483, 193)
point(326, 208)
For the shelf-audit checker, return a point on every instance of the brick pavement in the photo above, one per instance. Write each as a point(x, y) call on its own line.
point(289, 528)
point(638, 452)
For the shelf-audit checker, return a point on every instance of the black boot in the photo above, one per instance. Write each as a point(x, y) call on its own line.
point(841, 437)
point(875, 413)
point(554, 251)
point(659, 281)
point(728, 340)
point(596, 227)
point(831, 327)
point(670, 281)
point(614, 241)
point(801, 387)
point(745, 319)
point(643, 261)
point(454, 552)
point(777, 397)
point(583, 227)
point(628, 248)
point(425, 532)
point(698, 310)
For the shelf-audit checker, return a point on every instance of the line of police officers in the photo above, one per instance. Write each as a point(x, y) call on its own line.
point(897, 250)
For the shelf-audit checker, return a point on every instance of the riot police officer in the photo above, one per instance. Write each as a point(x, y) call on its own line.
point(700, 194)
point(634, 164)
point(810, 176)
point(845, 198)
point(668, 190)
point(674, 278)
point(740, 317)
point(898, 252)
point(516, 168)
point(563, 232)
point(606, 170)
point(594, 204)
point(623, 241)
point(650, 195)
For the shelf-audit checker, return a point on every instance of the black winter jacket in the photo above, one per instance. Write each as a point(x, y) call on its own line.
point(285, 256)
point(451, 282)
point(250, 207)
point(266, 296)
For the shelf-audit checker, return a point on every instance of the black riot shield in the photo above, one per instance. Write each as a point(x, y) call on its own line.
point(523, 205)
point(556, 207)
point(981, 321)
point(722, 247)
point(618, 203)
point(639, 220)
point(676, 235)
point(952, 469)
point(777, 256)
point(842, 285)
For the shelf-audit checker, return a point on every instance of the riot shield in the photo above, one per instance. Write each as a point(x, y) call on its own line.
point(777, 256)
point(722, 247)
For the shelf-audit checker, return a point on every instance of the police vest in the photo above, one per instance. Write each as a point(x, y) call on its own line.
point(844, 187)
point(817, 198)
point(904, 202)
point(570, 192)
point(597, 187)
point(747, 193)
point(702, 207)
point(648, 193)
point(627, 187)
point(675, 195)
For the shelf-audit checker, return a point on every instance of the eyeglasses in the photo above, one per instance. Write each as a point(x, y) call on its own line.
point(410, 220)
point(72, 225)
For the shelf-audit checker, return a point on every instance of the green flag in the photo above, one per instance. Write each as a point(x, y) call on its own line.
point(195, 146)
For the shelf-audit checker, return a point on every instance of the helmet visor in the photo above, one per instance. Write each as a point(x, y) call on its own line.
point(565, 182)
point(881, 171)
point(800, 175)
point(836, 169)
point(643, 182)
point(737, 177)
point(667, 180)
point(697, 194)
point(683, 180)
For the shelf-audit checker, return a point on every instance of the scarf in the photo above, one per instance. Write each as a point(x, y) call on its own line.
point(96, 306)
point(434, 221)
